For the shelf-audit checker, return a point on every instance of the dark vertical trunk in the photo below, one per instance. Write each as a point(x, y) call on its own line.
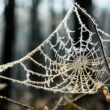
point(53, 25)
point(87, 4)
point(9, 31)
point(35, 32)
point(8, 42)
point(64, 11)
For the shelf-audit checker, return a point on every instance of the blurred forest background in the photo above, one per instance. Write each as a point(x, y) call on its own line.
point(24, 24)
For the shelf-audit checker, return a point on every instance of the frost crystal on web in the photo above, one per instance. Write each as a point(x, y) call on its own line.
point(63, 63)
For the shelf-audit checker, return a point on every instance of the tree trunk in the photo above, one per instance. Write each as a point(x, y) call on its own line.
point(8, 44)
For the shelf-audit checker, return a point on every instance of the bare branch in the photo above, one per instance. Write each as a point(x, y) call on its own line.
point(17, 103)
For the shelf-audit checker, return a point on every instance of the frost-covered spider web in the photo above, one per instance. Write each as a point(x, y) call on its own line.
point(62, 63)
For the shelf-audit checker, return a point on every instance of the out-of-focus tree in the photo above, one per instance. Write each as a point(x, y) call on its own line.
point(9, 36)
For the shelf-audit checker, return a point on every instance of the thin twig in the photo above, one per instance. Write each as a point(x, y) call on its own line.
point(78, 97)
point(17, 103)
point(75, 105)
point(58, 103)
point(97, 33)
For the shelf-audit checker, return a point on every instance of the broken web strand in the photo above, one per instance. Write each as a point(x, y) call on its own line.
point(62, 61)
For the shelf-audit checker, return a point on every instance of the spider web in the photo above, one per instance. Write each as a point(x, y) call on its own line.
point(64, 64)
